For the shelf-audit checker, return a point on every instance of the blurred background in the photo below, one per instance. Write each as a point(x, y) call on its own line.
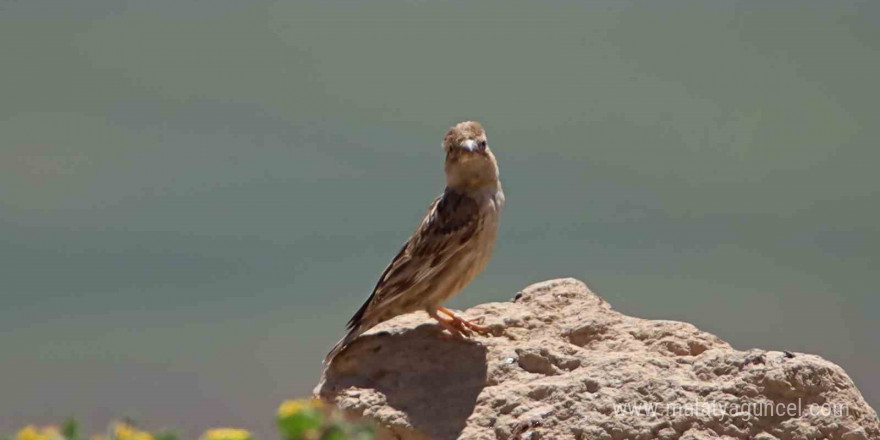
point(195, 196)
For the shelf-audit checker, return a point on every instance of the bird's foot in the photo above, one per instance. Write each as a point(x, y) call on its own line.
point(464, 324)
point(454, 328)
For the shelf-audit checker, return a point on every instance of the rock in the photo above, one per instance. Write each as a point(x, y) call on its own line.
point(562, 364)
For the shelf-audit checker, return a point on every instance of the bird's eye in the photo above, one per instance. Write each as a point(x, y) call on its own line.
point(482, 145)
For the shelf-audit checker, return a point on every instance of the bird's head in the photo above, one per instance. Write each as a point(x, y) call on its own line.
point(469, 161)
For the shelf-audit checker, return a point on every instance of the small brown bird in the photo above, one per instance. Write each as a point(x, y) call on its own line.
point(451, 246)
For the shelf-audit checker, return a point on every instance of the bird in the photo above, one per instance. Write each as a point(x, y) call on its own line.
point(452, 244)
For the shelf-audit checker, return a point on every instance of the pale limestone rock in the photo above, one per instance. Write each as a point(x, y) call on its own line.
point(560, 364)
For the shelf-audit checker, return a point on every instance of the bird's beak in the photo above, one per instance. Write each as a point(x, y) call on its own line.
point(470, 145)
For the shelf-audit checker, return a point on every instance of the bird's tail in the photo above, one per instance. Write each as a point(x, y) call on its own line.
point(358, 324)
point(350, 336)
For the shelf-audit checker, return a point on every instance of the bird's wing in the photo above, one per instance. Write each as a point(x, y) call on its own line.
point(452, 220)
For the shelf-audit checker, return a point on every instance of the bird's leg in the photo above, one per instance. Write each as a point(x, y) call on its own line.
point(464, 323)
point(452, 325)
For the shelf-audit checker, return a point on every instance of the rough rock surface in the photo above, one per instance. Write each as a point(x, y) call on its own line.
point(562, 364)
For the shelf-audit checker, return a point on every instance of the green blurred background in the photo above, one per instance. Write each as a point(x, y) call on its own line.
point(196, 195)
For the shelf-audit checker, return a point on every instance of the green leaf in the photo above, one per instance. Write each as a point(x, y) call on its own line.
point(70, 429)
point(295, 426)
point(166, 435)
point(334, 432)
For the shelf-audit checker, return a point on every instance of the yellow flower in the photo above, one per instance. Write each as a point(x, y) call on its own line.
point(29, 432)
point(124, 431)
point(226, 434)
point(32, 432)
point(288, 408)
point(291, 407)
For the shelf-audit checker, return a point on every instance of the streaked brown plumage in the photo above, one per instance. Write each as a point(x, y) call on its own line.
point(451, 246)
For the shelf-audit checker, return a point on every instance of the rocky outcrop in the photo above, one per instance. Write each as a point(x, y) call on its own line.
point(562, 364)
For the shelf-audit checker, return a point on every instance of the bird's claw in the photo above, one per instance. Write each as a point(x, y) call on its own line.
point(454, 328)
point(471, 325)
point(458, 325)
